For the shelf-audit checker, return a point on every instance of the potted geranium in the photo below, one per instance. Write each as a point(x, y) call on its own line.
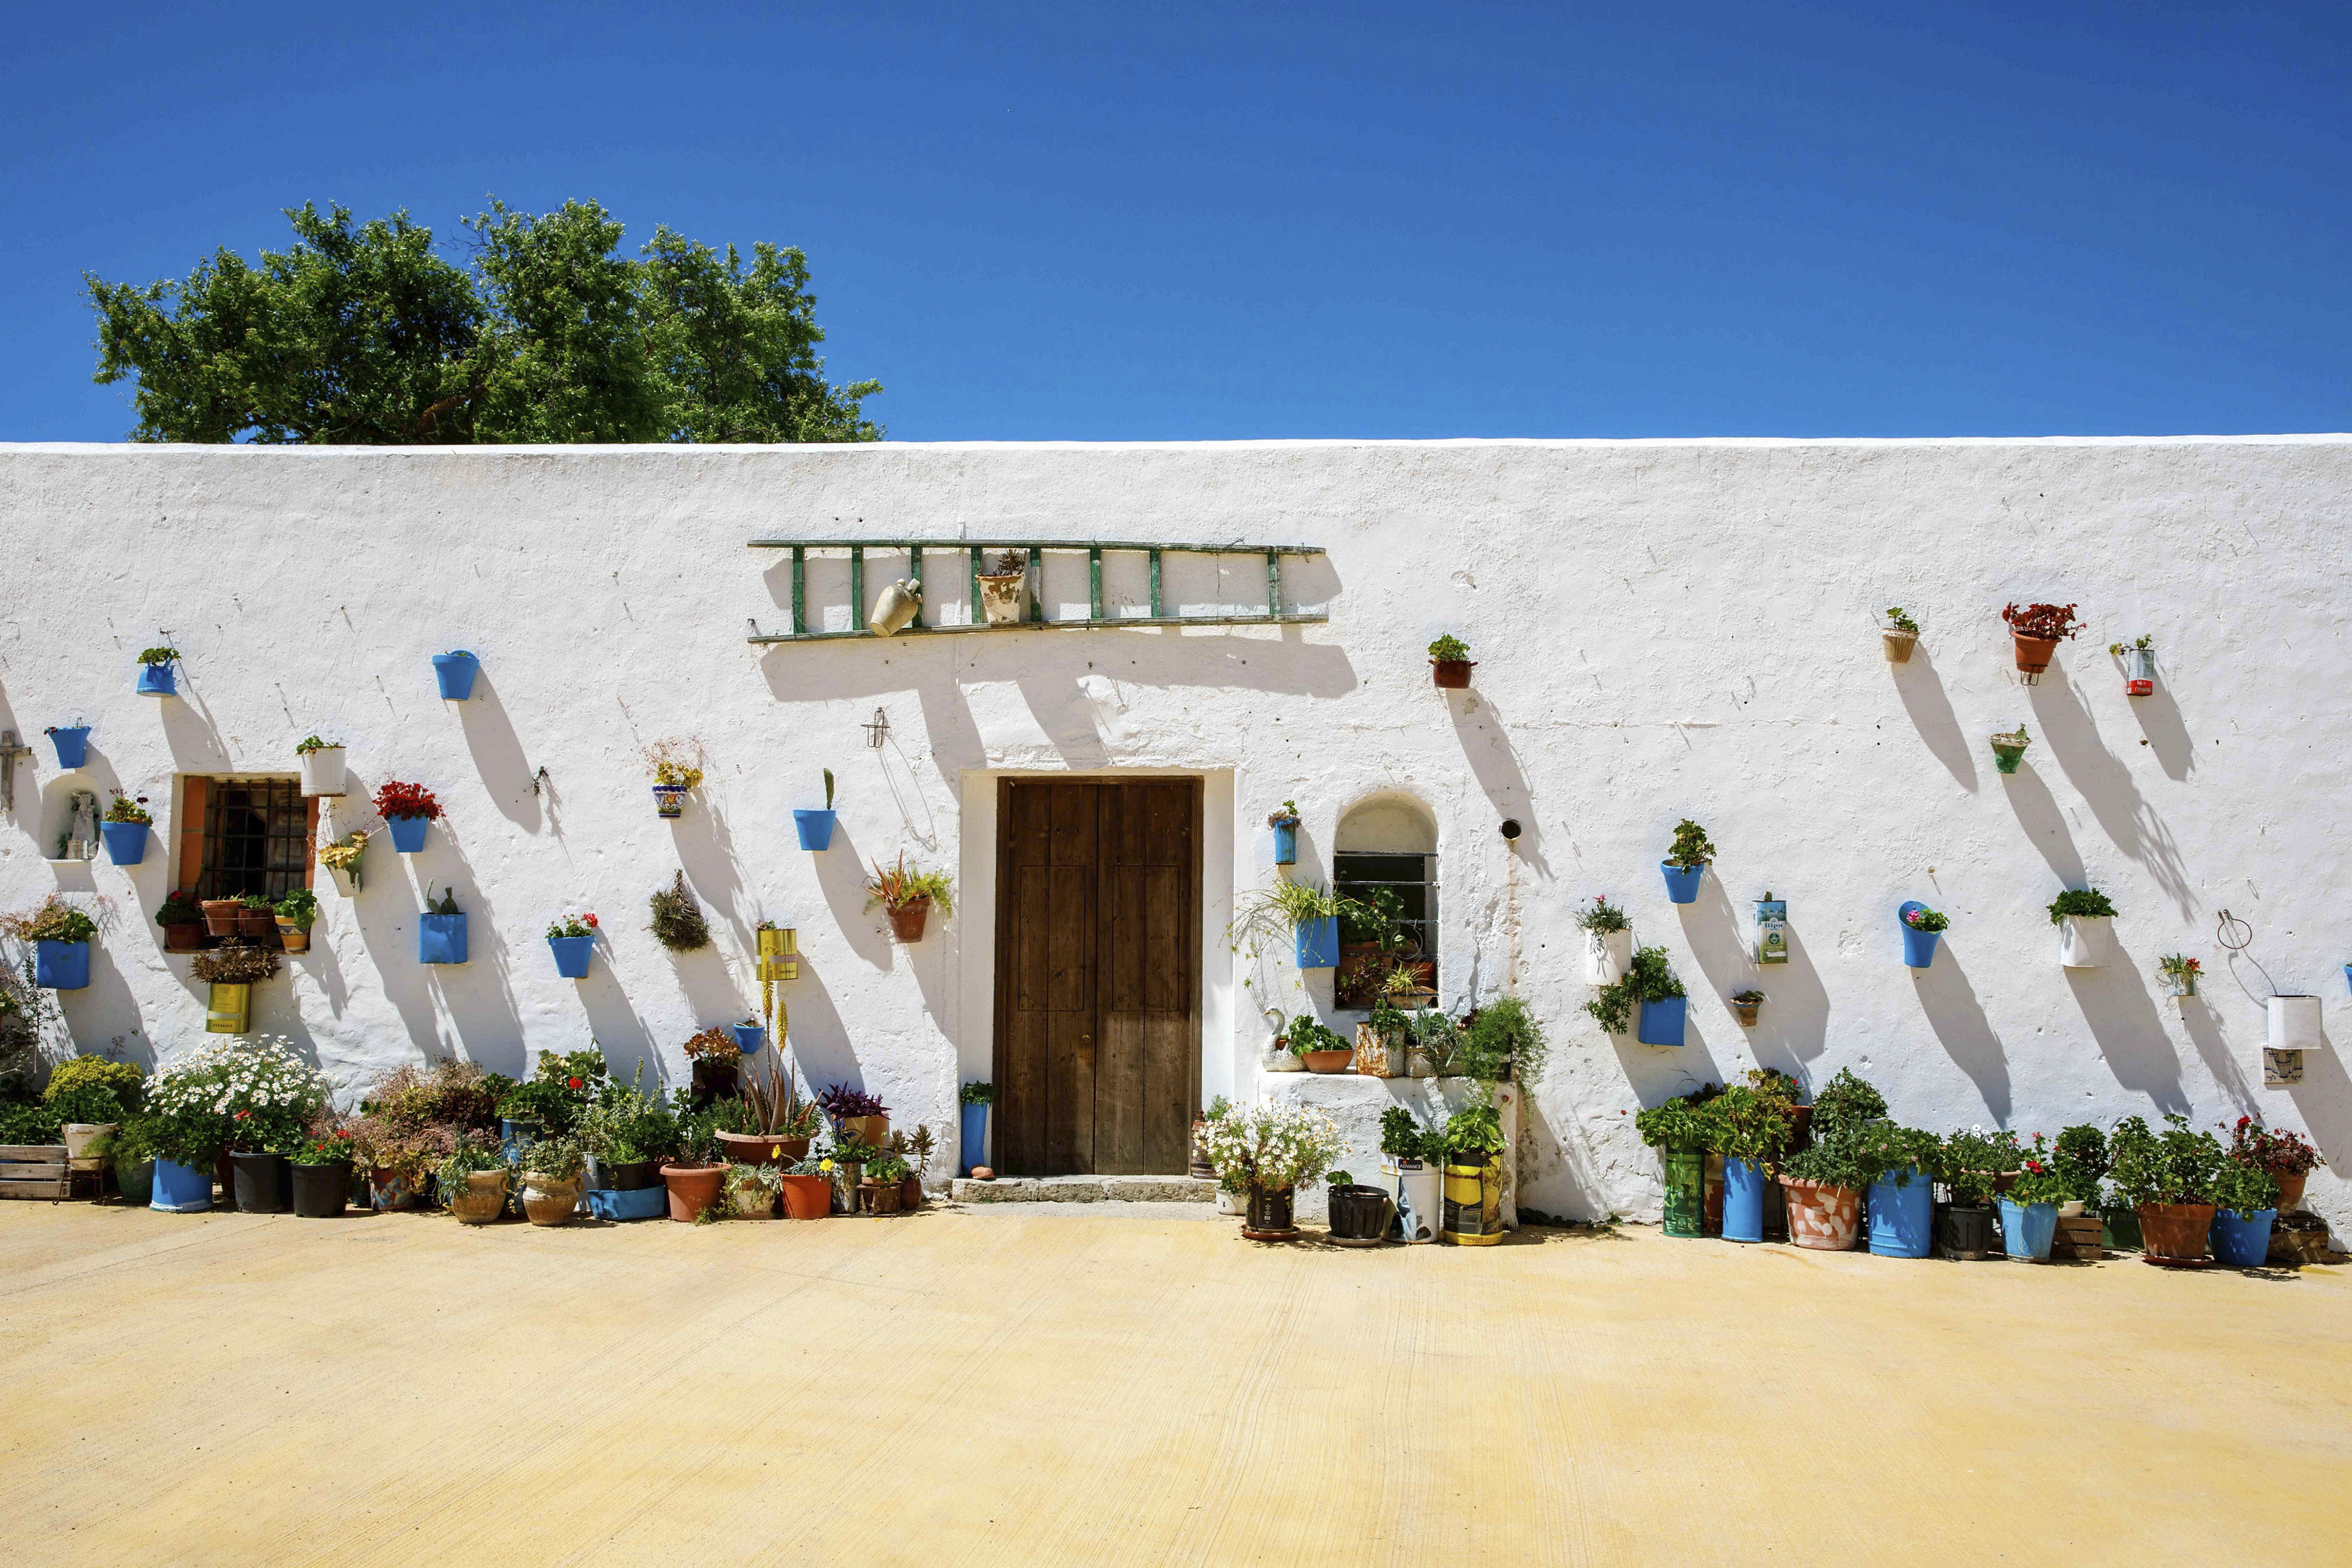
point(2181, 973)
point(1269, 1152)
point(907, 896)
point(1285, 823)
point(1003, 588)
point(321, 763)
point(2029, 1209)
point(157, 677)
point(294, 915)
point(2245, 1207)
point(1608, 942)
point(1923, 928)
point(409, 809)
point(2008, 747)
point(1450, 662)
point(441, 928)
point(342, 858)
point(2168, 1179)
point(2037, 630)
point(1749, 1127)
point(473, 1180)
point(1898, 1162)
point(1970, 1165)
point(60, 935)
point(2287, 1158)
point(72, 742)
point(1680, 1130)
point(815, 827)
point(182, 921)
point(1686, 862)
point(1650, 985)
point(323, 1175)
point(125, 829)
point(676, 767)
point(572, 939)
point(2138, 657)
point(2086, 937)
point(1899, 634)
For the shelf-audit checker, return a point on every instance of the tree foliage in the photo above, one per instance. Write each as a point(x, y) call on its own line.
point(367, 335)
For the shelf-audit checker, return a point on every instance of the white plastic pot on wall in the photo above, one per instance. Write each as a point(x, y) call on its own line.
point(2087, 942)
point(322, 770)
point(1607, 956)
point(2294, 1024)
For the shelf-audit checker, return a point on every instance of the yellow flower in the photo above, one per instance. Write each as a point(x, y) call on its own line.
point(777, 1152)
point(828, 1165)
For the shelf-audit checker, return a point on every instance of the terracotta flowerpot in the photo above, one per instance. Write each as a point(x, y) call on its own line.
point(1270, 1216)
point(748, 1148)
point(2290, 1189)
point(2174, 1235)
point(907, 920)
point(873, 1130)
point(549, 1202)
point(1746, 1012)
point(878, 1198)
point(807, 1197)
point(1328, 1061)
point(185, 936)
point(484, 1199)
point(2033, 653)
point(220, 916)
point(1451, 674)
point(1823, 1218)
point(1899, 644)
point(910, 1192)
point(256, 925)
point(692, 1189)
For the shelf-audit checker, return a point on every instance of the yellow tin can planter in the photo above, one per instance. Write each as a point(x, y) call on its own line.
point(779, 954)
point(229, 1009)
point(1473, 1203)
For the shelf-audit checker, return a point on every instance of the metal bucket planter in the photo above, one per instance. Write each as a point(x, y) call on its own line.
point(1686, 1191)
point(323, 1191)
point(2140, 672)
point(484, 1199)
point(1286, 843)
point(1316, 944)
point(1902, 1215)
point(1420, 1200)
point(228, 1008)
point(322, 772)
point(1821, 1216)
point(1660, 1022)
point(1271, 1216)
point(1474, 1203)
point(2028, 1229)
point(441, 939)
point(1360, 1216)
point(455, 672)
point(2087, 942)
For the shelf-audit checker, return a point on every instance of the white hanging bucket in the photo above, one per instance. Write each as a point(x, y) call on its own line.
point(1607, 956)
point(899, 603)
point(322, 770)
point(2294, 1024)
point(2087, 942)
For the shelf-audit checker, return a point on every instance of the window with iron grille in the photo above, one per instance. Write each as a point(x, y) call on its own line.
point(257, 838)
point(1405, 883)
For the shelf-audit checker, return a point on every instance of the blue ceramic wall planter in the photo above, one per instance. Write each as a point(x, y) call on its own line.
point(1682, 882)
point(126, 842)
point(2242, 1241)
point(571, 955)
point(1902, 1218)
point(72, 742)
point(441, 939)
point(748, 1037)
point(1286, 843)
point(180, 1189)
point(815, 829)
point(971, 1147)
point(408, 833)
point(2027, 1230)
point(1919, 946)
point(159, 680)
point(61, 965)
point(1743, 1200)
point(456, 673)
point(1660, 1022)
point(1318, 943)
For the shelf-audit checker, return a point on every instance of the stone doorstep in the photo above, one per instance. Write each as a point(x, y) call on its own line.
point(1084, 1190)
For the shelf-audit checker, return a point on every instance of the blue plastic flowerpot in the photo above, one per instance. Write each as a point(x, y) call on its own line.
point(2027, 1229)
point(126, 842)
point(1902, 1218)
point(815, 829)
point(1286, 843)
point(61, 965)
point(441, 939)
point(748, 1037)
point(2347, 974)
point(571, 955)
point(2242, 1241)
point(408, 833)
point(1318, 943)
point(455, 672)
point(1682, 882)
point(644, 1203)
point(1919, 947)
point(159, 680)
point(972, 1145)
point(1661, 1022)
point(73, 745)
point(180, 1190)
point(1743, 1200)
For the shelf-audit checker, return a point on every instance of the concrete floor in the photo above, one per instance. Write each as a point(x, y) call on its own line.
point(978, 1387)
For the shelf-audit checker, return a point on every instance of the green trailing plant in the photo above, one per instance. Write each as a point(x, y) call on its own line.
point(1504, 1041)
point(2079, 901)
point(677, 923)
point(1449, 649)
point(1440, 1041)
point(124, 1080)
point(1691, 846)
point(1685, 1121)
point(1971, 1164)
point(2175, 1166)
point(1896, 620)
point(1603, 916)
point(977, 1093)
point(1647, 978)
point(1269, 915)
point(1845, 1103)
point(2080, 1157)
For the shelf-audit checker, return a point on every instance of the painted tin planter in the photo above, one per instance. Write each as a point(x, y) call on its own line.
point(2294, 1024)
point(72, 742)
point(1660, 1022)
point(455, 672)
point(815, 829)
point(571, 955)
point(441, 939)
point(323, 773)
point(1682, 882)
point(181, 1189)
point(1743, 1200)
point(61, 965)
point(2243, 1240)
point(408, 833)
point(228, 1007)
point(159, 680)
point(1474, 1203)
point(1919, 946)
point(1686, 1191)
point(1317, 943)
point(1286, 843)
point(2027, 1230)
point(972, 1138)
point(126, 842)
point(2140, 672)
point(2006, 753)
point(1772, 930)
point(1902, 1216)
point(1004, 597)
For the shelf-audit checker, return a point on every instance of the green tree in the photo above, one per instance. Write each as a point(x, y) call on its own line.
point(366, 334)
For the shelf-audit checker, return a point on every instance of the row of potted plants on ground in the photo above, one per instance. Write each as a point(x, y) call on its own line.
point(1841, 1161)
point(1446, 1179)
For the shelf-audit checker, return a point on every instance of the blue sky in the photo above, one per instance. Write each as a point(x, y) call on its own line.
point(1133, 221)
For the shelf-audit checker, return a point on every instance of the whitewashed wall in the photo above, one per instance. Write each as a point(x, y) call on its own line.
point(1662, 629)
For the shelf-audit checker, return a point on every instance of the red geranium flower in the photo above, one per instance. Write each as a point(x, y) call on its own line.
point(589, 920)
point(241, 1115)
point(574, 1082)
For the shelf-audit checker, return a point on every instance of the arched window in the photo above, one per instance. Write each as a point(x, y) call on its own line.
point(1385, 854)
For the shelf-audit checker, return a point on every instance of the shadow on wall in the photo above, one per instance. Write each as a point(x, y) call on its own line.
point(818, 1041)
point(840, 874)
point(1792, 1028)
point(189, 731)
point(705, 846)
point(1487, 747)
point(498, 754)
point(2124, 813)
point(1922, 691)
point(2324, 1099)
point(2204, 1032)
point(2166, 736)
point(2045, 824)
point(2129, 1030)
point(618, 1030)
point(1962, 1029)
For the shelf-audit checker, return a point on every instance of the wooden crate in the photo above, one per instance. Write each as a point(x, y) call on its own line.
point(2080, 1236)
point(32, 1170)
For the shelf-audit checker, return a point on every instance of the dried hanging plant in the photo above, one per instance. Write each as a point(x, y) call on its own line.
point(233, 963)
point(678, 922)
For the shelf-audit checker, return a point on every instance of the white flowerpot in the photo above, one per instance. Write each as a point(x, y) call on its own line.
point(2294, 1024)
point(344, 883)
point(322, 770)
point(2087, 942)
point(1004, 600)
point(1235, 1204)
point(78, 1137)
point(1607, 956)
point(1421, 1195)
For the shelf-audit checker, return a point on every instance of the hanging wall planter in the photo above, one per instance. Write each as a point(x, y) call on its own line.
point(72, 742)
point(2085, 922)
point(1607, 954)
point(1745, 1005)
point(61, 965)
point(1317, 942)
point(670, 800)
point(1898, 635)
point(454, 674)
point(907, 919)
point(1923, 928)
point(228, 1007)
point(126, 842)
point(1686, 862)
point(2138, 658)
point(900, 603)
point(815, 827)
point(748, 1037)
point(2294, 1023)
point(1004, 591)
point(573, 954)
point(441, 930)
point(2037, 630)
point(1449, 663)
point(2008, 748)
point(675, 764)
point(322, 766)
point(158, 674)
point(1662, 1021)
point(1284, 824)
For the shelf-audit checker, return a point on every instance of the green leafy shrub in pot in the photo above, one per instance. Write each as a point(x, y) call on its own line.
point(2175, 1166)
point(1648, 978)
point(1449, 649)
point(1603, 916)
point(2244, 1190)
point(1404, 1136)
point(1306, 1033)
point(1505, 1040)
point(29, 1121)
point(1834, 1162)
point(1744, 1123)
point(1971, 1164)
point(1683, 1122)
point(1691, 846)
point(473, 1152)
point(1474, 1134)
point(125, 1080)
point(2080, 1157)
point(1844, 1104)
point(1882, 1151)
point(86, 1102)
point(2080, 901)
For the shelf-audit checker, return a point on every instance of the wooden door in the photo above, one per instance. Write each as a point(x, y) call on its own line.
point(1097, 975)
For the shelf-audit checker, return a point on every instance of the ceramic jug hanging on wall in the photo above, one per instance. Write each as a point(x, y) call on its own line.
point(899, 603)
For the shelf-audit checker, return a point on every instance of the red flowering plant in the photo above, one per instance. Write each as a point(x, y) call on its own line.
point(398, 799)
point(571, 925)
point(2054, 623)
point(333, 1147)
point(2282, 1153)
point(2039, 1180)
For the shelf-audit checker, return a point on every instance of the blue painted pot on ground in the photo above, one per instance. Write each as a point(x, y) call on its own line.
point(973, 1144)
point(180, 1190)
point(571, 955)
point(1902, 1218)
point(1318, 943)
point(1743, 1201)
point(1286, 843)
point(408, 832)
point(1919, 946)
point(2242, 1241)
point(159, 680)
point(455, 672)
point(646, 1203)
point(126, 842)
point(441, 939)
point(2027, 1229)
point(748, 1037)
point(61, 965)
point(815, 829)
point(1660, 1022)
point(1682, 882)
point(72, 742)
